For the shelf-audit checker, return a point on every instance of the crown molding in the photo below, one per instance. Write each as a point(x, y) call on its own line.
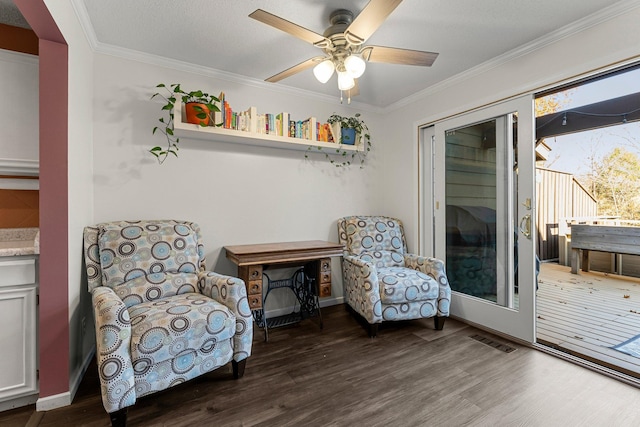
point(85, 23)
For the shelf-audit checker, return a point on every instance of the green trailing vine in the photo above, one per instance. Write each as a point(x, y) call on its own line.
point(174, 93)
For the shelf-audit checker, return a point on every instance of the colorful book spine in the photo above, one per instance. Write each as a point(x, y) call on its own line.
point(282, 124)
point(227, 115)
point(299, 129)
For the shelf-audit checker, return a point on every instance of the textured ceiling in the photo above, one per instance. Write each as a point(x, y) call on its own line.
point(10, 15)
point(218, 34)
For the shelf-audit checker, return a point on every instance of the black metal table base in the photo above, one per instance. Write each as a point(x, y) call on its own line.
point(303, 288)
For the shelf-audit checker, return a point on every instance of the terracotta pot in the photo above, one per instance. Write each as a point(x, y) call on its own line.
point(192, 113)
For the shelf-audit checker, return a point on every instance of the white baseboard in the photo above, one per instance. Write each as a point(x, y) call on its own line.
point(52, 402)
point(17, 403)
point(328, 302)
point(75, 382)
point(64, 399)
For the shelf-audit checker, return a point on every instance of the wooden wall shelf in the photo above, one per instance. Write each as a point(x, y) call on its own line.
point(210, 133)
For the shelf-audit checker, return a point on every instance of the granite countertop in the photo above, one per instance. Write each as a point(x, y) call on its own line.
point(19, 241)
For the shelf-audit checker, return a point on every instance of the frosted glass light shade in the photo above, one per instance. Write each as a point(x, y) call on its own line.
point(345, 81)
point(355, 65)
point(324, 70)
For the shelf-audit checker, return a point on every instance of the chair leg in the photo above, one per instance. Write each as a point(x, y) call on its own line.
point(238, 368)
point(119, 418)
point(439, 322)
point(373, 330)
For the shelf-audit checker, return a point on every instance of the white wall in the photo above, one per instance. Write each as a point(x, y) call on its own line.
point(239, 194)
point(19, 106)
point(612, 42)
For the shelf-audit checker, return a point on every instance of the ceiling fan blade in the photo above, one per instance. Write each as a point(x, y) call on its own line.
point(295, 69)
point(287, 26)
point(368, 21)
point(394, 55)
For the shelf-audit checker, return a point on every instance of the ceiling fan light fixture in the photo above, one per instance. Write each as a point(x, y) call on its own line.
point(324, 70)
point(355, 65)
point(345, 81)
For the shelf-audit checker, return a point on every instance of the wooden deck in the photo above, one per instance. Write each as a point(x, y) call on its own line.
point(587, 313)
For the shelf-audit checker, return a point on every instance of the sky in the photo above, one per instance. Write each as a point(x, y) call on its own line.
point(574, 153)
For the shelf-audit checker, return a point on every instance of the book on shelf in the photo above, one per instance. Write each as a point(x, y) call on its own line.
point(269, 124)
point(292, 129)
point(272, 124)
point(330, 137)
point(218, 116)
point(327, 135)
point(336, 132)
point(261, 125)
point(250, 119)
point(324, 132)
point(309, 129)
point(228, 115)
point(298, 133)
point(282, 124)
point(241, 122)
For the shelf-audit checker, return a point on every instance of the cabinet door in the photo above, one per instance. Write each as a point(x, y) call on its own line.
point(18, 338)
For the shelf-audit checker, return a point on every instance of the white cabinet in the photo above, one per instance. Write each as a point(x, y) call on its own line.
point(18, 334)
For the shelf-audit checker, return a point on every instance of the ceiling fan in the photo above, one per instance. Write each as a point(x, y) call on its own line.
point(343, 45)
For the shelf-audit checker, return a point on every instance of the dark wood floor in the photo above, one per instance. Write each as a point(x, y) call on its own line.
point(410, 375)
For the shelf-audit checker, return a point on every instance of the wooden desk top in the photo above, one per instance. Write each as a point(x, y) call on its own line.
point(280, 253)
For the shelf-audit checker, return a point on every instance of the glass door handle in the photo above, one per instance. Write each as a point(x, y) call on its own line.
point(525, 226)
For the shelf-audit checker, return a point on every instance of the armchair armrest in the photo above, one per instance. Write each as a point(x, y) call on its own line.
point(362, 288)
point(435, 268)
point(113, 343)
point(231, 292)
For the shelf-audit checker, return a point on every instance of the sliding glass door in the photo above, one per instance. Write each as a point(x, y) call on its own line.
point(483, 188)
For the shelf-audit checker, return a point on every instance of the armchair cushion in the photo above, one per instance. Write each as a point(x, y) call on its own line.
point(155, 286)
point(379, 240)
point(131, 250)
point(382, 258)
point(400, 285)
point(163, 329)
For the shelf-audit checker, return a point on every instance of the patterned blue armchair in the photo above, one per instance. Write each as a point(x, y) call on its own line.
point(382, 281)
point(160, 318)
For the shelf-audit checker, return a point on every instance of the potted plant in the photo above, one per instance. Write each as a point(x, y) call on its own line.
point(349, 131)
point(199, 108)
